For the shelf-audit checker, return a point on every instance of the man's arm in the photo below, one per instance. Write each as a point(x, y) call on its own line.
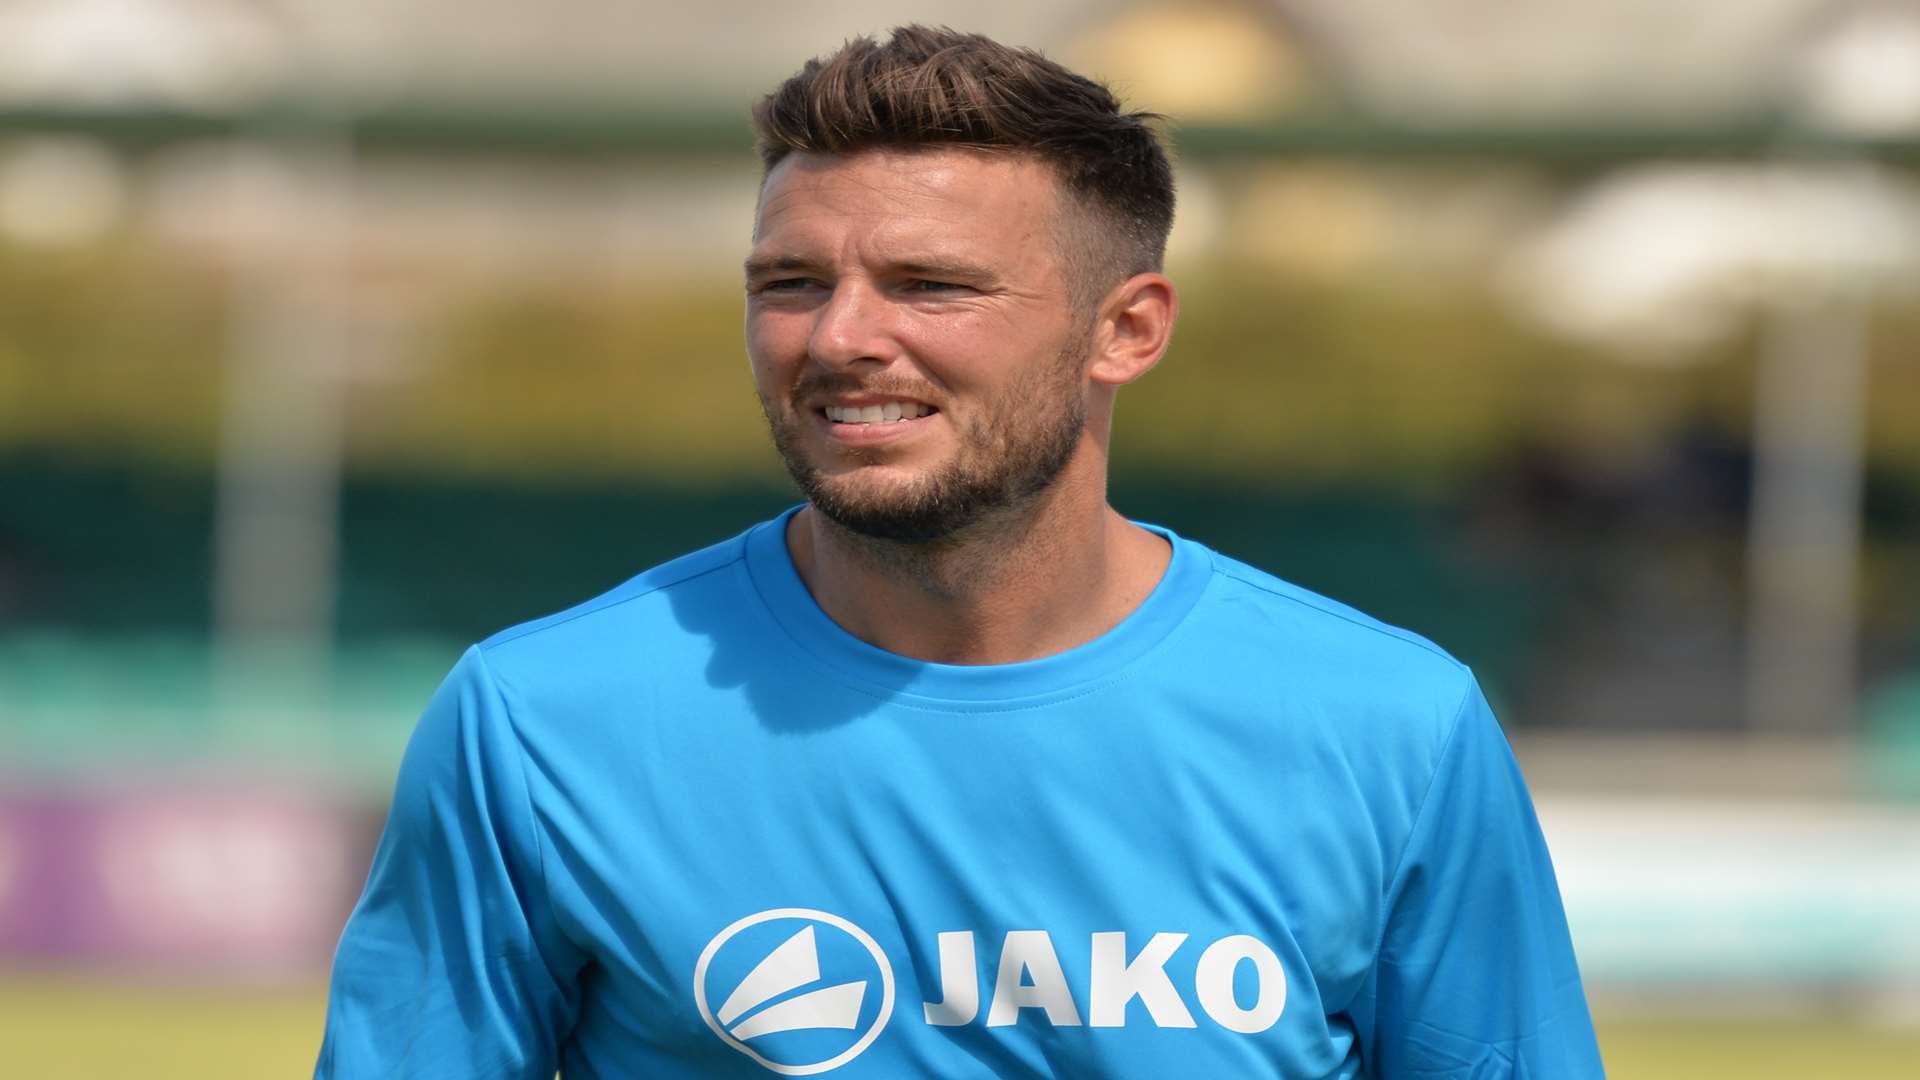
point(1475, 976)
point(450, 964)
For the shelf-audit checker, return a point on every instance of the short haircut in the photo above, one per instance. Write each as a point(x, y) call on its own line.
point(932, 88)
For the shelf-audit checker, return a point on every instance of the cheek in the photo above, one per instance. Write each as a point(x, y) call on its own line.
point(773, 347)
point(968, 353)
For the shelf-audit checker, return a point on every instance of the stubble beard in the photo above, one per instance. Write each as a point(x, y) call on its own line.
point(1005, 460)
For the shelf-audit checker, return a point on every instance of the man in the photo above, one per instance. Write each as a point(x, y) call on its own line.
point(954, 771)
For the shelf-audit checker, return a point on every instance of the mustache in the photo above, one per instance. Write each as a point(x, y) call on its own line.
point(835, 382)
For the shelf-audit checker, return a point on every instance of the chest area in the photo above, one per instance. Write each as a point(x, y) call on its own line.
point(1019, 902)
point(795, 988)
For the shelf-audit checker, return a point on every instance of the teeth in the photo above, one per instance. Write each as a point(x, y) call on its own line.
point(891, 412)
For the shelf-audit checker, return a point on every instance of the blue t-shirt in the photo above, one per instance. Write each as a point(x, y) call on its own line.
point(693, 828)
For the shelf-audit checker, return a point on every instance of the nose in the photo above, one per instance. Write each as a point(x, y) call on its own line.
point(851, 327)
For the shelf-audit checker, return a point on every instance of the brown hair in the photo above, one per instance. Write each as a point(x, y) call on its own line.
point(937, 87)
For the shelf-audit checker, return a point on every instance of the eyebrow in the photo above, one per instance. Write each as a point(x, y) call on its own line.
point(759, 265)
point(940, 268)
point(934, 267)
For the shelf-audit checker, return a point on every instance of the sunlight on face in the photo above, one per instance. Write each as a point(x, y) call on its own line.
point(931, 280)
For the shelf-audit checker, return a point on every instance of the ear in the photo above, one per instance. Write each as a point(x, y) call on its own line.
point(1133, 329)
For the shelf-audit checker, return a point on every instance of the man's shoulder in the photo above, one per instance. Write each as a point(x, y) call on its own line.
point(1384, 700)
point(1302, 610)
point(1329, 642)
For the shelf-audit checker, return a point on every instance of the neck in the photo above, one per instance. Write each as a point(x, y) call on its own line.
point(1027, 583)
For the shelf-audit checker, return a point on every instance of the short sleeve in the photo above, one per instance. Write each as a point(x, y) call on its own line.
point(449, 965)
point(1475, 977)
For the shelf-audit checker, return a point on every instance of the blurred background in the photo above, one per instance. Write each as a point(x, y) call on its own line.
point(1582, 337)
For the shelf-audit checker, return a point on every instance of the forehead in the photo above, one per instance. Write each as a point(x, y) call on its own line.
point(956, 193)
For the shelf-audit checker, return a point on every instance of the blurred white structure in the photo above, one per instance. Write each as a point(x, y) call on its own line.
point(182, 52)
point(1442, 59)
point(1661, 259)
point(1667, 896)
point(1859, 71)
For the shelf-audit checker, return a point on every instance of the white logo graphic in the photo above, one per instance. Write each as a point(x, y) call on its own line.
point(754, 1007)
point(1030, 977)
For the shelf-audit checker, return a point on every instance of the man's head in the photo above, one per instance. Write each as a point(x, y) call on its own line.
point(932, 89)
point(955, 263)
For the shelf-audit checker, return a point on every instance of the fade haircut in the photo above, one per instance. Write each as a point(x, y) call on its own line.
point(931, 88)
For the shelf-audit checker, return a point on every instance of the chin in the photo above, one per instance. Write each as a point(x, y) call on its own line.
point(903, 512)
point(992, 477)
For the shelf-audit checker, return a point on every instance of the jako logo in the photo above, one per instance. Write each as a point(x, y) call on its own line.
point(795, 988)
point(1030, 977)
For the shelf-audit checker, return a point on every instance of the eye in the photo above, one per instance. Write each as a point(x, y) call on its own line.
point(784, 285)
point(924, 285)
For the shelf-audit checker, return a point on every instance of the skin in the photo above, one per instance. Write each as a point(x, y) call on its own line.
point(937, 277)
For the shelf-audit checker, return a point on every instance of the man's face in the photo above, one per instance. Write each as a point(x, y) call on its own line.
point(913, 340)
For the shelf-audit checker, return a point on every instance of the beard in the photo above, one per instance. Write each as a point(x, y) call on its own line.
point(1007, 457)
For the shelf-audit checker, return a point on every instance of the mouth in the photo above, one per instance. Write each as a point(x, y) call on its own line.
point(889, 412)
point(873, 422)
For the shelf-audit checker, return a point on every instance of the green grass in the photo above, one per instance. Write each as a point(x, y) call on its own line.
point(1643, 1049)
point(84, 1030)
